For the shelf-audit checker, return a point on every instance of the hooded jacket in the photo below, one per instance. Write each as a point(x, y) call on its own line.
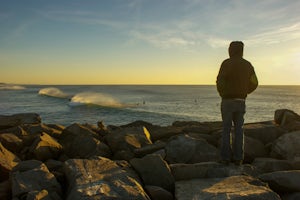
point(236, 78)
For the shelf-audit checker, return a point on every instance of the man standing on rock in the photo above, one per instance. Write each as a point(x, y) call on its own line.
point(236, 79)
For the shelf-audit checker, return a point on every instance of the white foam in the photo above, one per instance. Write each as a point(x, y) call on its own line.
point(4, 86)
point(53, 92)
point(93, 98)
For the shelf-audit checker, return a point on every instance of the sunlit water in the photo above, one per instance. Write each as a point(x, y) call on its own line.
point(119, 105)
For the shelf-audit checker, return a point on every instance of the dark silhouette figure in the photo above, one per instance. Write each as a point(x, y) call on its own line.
point(236, 79)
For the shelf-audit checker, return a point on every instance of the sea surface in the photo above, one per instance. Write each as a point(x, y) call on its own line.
point(123, 104)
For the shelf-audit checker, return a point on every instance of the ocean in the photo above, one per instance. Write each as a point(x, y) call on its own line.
point(123, 104)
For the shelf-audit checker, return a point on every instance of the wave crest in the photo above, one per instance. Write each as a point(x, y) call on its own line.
point(53, 92)
point(93, 98)
point(4, 86)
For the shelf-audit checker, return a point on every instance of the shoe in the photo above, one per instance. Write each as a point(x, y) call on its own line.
point(238, 162)
point(224, 162)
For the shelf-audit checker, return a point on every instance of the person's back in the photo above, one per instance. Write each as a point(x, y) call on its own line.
point(236, 79)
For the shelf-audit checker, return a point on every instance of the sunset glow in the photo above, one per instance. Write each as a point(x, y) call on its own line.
point(145, 42)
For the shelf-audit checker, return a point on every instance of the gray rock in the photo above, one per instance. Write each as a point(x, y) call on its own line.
point(253, 148)
point(128, 140)
point(8, 160)
point(7, 121)
point(287, 146)
point(283, 181)
point(185, 149)
point(45, 147)
point(80, 142)
point(263, 132)
point(29, 176)
point(192, 171)
point(160, 175)
point(209, 170)
point(101, 178)
point(266, 165)
point(234, 188)
point(284, 117)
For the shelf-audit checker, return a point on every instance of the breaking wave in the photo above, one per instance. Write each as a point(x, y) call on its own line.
point(93, 98)
point(53, 92)
point(4, 86)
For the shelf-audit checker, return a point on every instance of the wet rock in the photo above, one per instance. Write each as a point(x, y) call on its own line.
point(80, 142)
point(31, 176)
point(8, 160)
point(7, 121)
point(234, 187)
point(101, 178)
point(154, 171)
point(45, 147)
point(283, 181)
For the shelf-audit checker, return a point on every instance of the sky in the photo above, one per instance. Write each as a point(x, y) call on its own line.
point(145, 41)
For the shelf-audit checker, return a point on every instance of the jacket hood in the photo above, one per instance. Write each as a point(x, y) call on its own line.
point(236, 49)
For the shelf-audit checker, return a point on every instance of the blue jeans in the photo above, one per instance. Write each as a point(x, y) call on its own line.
point(233, 110)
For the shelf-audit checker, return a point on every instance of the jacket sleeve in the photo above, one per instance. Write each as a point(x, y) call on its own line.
point(221, 80)
point(253, 82)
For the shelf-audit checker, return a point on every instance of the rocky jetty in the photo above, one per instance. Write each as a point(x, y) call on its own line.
point(145, 161)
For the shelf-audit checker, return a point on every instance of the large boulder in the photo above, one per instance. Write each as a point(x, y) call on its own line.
point(209, 170)
point(33, 176)
point(80, 142)
point(123, 142)
point(185, 149)
point(160, 175)
point(163, 133)
point(34, 129)
point(287, 146)
point(7, 121)
point(45, 147)
point(11, 142)
point(264, 132)
point(253, 148)
point(283, 181)
point(101, 178)
point(8, 160)
point(266, 165)
point(234, 187)
point(284, 117)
